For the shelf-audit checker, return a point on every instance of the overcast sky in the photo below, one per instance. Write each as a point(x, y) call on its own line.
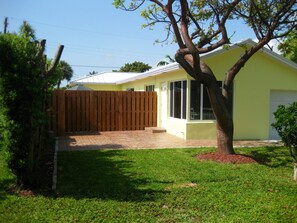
point(96, 36)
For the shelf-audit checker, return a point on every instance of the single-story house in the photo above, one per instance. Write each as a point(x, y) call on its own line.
point(266, 81)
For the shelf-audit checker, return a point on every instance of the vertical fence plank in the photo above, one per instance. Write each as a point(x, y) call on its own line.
point(83, 111)
point(150, 110)
point(103, 110)
point(99, 111)
point(137, 107)
point(119, 114)
point(61, 113)
point(141, 110)
point(78, 112)
point(88, 111)
point(74, 113)
point(91, 111)
point(133, 111)
point(146, 109)
point(129, 120)
point(155, 109)
point(107, 126)
point(112, 111)
point(67, 112)
point(124, 111)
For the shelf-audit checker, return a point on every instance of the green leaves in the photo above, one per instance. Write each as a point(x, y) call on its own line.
point(118, 3)
point(289, 46)
point(23, 101)
point(286, 126)
point(136, 66)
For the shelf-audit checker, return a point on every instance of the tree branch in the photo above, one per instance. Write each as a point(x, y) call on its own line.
point(41, 48)
point(55, 61)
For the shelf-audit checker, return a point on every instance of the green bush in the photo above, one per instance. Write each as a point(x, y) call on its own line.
point(286, 126)
point(25, 83)
point(21, 88)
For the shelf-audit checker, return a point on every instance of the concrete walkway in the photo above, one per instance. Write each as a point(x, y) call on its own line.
point(140, 140)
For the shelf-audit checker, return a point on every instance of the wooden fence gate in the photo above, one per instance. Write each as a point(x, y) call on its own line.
point(93, 111)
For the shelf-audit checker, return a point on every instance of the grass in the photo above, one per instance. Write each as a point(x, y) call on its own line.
point(167, 185)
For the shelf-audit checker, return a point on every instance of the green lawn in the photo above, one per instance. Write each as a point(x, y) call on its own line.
point(167, 185)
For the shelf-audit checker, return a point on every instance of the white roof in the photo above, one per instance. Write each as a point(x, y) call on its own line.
point(105, 78)
point(120, 78)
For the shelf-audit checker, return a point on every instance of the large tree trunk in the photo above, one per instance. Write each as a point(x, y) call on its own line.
point(223, 114)
point(225, 139)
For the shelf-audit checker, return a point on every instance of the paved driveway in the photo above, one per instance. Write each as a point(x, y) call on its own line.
point(140, 140)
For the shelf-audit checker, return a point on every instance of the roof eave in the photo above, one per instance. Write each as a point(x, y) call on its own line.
point(101, 83)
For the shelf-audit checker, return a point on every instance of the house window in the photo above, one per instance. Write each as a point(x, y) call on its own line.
point(150, 88)
point(130, 89)
point(178, 99)
point(200, 107)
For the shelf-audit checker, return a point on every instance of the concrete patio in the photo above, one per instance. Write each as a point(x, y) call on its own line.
point(141, 140)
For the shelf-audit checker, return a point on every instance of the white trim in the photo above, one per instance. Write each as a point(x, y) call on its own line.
point(181, 99)
point(201, 101)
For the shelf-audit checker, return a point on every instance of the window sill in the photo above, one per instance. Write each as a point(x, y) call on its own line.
point(201, 121)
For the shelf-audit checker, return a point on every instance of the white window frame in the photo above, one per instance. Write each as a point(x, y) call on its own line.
point(150, 87)
point(130, 89)
point(183, 114)
point(201, 104)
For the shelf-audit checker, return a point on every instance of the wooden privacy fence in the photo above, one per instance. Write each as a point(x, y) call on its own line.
point(93, 111)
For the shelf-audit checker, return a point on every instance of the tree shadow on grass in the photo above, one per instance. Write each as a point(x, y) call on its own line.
point(4, 185)
point(272, 156)
point(106, 174)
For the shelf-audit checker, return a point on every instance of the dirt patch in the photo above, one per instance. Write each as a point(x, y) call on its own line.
point(223, 158)
point(183, 185)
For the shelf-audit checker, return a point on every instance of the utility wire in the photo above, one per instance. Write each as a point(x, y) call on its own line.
point(97, 66)
point(78, 29)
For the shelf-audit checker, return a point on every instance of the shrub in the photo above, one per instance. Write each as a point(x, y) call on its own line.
point(25, 83)
point(286, 126)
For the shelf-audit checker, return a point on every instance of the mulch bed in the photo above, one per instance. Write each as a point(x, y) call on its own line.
point(223, 158)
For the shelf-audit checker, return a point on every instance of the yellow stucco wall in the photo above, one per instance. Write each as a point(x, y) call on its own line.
point(252, 118)
point(104, 87)
point(201, 130)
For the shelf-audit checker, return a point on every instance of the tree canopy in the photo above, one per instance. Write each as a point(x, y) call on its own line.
point(289, 46)
point(63, 72)
point(136, 66)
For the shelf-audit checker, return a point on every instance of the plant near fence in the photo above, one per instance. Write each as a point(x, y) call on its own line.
point(25, 82)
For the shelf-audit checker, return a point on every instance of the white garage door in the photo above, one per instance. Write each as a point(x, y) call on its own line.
point(279, 98)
